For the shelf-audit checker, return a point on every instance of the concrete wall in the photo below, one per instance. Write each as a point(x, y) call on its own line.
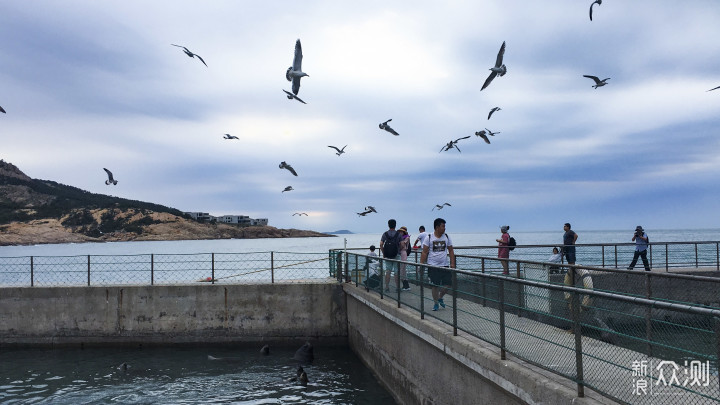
point(421, 362)
point(172, 314)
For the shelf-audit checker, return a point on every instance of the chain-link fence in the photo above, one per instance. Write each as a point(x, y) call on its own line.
point(628, 348)
point(259, 267)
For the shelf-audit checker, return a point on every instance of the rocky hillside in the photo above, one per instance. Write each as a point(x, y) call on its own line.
point(41, 211)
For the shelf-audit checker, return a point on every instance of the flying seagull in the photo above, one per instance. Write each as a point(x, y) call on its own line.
point(386, 127)
point(339, 151)
point(288, 188)
point(284, 165)
point(493, 110)
point(362, 214)
point(598, 2)
point(299, 214)
point(228, 136)
point(190, 54)
point(370, 208)
point(498, 69)
point(110, 177)
point(439, 207)
point(718, 87)
point(453, 144)
point(491, 133)
point(291, 96)
point(294, 72)
point(598, 82)
point(3, 111)
point(482, 135)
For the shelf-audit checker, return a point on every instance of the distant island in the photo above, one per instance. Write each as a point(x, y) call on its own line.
point(340, 232)
point(36, 211)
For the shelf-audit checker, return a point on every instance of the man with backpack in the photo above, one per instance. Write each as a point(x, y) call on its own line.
point(390, 247)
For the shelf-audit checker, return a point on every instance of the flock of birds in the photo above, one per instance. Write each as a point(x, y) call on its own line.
point(294, 73)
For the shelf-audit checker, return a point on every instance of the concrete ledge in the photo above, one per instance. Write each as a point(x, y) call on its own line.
point(421, 362)
point(172, 314)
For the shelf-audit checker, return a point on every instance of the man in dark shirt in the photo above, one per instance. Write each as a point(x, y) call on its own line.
point(569, 239)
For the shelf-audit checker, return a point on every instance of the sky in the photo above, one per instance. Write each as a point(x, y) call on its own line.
point(89, 84)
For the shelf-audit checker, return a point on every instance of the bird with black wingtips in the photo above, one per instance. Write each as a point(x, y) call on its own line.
point(228, 136)
point(371, 209)
point(284, 165)
point(362, 214)
point(493, 110)
point(498, 70)
point(453, 144)
point(288, 188)
point(339, 151)
point(2, 110)
point(110, 179)
point(190, 54)
point(598, 2)
point(491, 133)
point(386, 127)
point(598, 82)
point(291, 96)
point(482, 135)
point(294, 73)
point(441, 206)
point(718, 87)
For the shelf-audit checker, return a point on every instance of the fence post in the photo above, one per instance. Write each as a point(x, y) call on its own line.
point(484, 281)
point(603, 255)
point(520, 295)
point(648, 314)
point(667, 263)
point(152, 268)
point(616, 256)
point(32, 272)
point(696, 255)
point(272, 267)
point(454, 296)
point(717, 255)
point(382, 278)
point(88, 270)
point(650, 251)
point(212, 270)
point(501, 299)
point(717, 343)
point(357, 274)
point(577, 328)
point(422, 292)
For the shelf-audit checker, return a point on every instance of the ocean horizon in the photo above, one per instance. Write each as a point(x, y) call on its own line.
point(356, 240)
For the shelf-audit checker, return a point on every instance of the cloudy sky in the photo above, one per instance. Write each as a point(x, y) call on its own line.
point(93, 84)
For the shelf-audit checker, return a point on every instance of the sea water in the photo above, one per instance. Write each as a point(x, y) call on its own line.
point(183, 375)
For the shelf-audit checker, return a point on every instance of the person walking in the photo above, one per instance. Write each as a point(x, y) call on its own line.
point(503, 250)
point(389, 246)
point(569, 239)
point(641, 245)
point(437, 248)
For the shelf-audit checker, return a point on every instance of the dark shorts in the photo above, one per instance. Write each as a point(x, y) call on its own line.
point(440, 277)
point(570, 257)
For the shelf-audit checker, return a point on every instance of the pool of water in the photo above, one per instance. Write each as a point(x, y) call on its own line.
point(184, 375)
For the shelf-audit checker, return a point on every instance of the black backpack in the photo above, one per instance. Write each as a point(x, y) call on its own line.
point(409, 248)
point(390, 248)
point(512, 243)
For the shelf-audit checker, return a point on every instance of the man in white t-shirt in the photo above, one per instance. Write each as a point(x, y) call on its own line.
point(421, 237)
point(437, 247)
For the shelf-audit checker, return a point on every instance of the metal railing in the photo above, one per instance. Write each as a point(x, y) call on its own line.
point(661, 255)
point(96, 270)
point(624, 347)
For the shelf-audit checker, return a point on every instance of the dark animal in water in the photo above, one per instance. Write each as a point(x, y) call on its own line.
point(265, 350)
point(305, 353)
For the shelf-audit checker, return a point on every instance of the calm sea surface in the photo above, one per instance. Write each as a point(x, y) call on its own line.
point(320, 245)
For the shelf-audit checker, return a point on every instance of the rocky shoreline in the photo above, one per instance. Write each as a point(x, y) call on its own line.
point(48, 231)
